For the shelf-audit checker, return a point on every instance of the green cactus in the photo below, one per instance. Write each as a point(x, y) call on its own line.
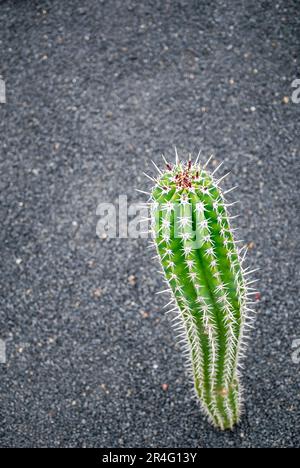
point(209, 290)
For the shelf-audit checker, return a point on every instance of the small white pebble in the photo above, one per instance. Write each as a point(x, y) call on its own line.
point(253, 109)
point(18, 261)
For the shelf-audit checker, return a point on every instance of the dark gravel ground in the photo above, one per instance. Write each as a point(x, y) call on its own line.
point(94, 91)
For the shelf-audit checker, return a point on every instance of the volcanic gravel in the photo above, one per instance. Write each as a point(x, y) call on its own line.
point(95, 90)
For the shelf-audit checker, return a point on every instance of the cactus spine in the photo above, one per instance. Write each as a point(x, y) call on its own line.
point(203, 269)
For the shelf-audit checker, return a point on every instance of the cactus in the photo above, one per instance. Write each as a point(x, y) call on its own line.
point(202, 265)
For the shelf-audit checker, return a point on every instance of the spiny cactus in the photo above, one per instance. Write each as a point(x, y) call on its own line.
point(209, 289)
